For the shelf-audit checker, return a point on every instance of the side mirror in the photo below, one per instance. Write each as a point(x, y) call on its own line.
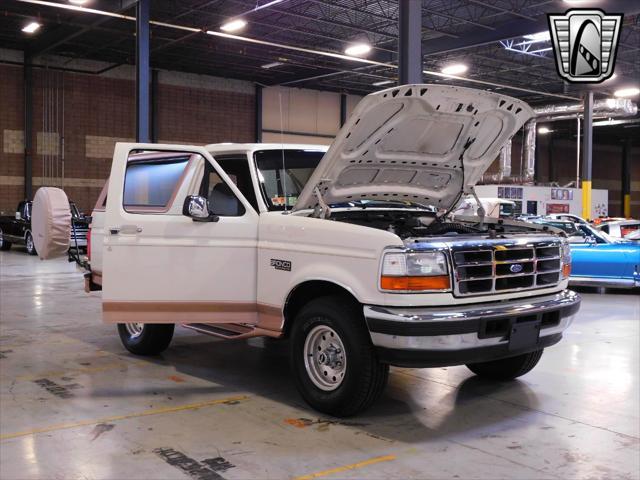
point(591, 240)
point(197, 208)
point(18, 216)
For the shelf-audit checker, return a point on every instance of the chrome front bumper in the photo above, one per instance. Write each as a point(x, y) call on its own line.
point(462, 334)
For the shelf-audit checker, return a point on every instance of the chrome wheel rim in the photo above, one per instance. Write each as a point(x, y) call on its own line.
point(325, 358)
point(30, 243)
point(134, 329)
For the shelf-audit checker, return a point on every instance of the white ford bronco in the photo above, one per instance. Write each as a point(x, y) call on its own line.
point(351, 253)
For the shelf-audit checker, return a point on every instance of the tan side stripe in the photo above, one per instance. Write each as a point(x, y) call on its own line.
point(205, 307)
point(345, 468)
point(145, 413)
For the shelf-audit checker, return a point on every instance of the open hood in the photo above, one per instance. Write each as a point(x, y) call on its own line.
point(428, 144)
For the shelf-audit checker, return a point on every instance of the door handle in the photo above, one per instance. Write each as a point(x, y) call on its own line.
point(125, 230)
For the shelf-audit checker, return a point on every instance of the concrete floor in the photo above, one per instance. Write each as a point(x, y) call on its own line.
point(75, 404)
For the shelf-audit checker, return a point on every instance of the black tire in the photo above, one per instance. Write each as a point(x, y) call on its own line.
point(154, 339)
point(28, 241)
point(507, 368)
point(4, 245)
point(364, 376)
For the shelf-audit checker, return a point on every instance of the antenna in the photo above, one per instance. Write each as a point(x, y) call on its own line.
point(283, 179)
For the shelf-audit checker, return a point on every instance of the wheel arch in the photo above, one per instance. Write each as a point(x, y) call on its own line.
point(309, 290)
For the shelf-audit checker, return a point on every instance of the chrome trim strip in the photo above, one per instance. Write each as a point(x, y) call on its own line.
point(603, 282)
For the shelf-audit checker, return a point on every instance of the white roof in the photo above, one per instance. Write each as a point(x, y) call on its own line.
point(252, 147)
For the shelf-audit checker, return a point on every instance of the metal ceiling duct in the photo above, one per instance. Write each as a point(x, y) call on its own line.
point(605, 108)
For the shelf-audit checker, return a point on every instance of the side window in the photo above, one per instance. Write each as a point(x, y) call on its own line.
point(238, 167)
point(152, 179)
point(222, 200)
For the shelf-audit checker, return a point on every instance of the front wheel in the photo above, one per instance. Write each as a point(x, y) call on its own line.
point(31, 248)
point(507, 368)
point(333, 361)
point(146, 338)
point(4, 245)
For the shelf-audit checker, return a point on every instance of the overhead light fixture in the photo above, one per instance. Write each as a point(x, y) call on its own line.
point(538, 37)
point(357, 49)
point(627, 92)
point(544, 130)
point(455, 69)
point(79, 2)
point(383, 82)
point(267, 66)
point(234, 25)
point(31, 27)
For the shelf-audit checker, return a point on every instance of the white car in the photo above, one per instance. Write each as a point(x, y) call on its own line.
point(620, 228)
point(349, 253)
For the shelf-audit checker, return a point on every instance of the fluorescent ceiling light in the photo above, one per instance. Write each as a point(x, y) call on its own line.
point(357, 49)
point(383, 82)
point(604, 123)
point(78, 2)
point(31, 27)
point(455, 69)
point(538, 37)
point(627, 92)
point(234, 25)
point(544, 130)
point(267, 66)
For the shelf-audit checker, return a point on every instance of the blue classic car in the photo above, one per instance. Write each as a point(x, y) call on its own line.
point(602, 261)
point(597, 259)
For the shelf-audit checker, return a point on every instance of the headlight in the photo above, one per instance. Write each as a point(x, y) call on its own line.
point(565, 256)
point(414, 272)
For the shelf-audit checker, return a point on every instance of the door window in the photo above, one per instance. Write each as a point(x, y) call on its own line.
point(152, 179)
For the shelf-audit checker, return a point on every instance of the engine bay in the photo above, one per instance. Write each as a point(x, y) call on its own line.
point(411, 223)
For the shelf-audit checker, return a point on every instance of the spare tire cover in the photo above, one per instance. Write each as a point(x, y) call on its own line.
point(51, 222)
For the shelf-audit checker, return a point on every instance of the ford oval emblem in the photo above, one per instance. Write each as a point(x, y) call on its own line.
point(516, 268)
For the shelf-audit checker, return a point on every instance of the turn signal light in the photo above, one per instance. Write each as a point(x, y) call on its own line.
point(439, 282)
point(566, 270)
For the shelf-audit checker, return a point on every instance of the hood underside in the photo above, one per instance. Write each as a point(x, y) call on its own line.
point(427, 144)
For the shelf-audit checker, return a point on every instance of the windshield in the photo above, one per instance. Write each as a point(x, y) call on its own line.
point(284, 173)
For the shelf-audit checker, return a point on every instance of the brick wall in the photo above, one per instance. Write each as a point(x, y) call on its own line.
point(11, 127)
point(99, 111)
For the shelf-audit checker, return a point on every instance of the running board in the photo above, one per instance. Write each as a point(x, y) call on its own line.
point(225, 330)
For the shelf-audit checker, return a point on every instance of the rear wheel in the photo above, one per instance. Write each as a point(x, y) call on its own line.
point(334, 363)
point(4, 245)
point(146, 338)
point(31, 248)
point(507, 368)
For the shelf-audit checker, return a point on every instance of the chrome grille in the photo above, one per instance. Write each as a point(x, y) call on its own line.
point(505, 268)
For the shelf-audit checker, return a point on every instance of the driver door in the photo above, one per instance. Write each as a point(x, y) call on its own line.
point(161, 266)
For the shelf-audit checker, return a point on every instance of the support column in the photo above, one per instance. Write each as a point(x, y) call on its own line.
point(142, 71)
point(343, 109)
point(626, 178)
point(28, 127)
point(258, 114)
point(587, 151)
point(155, 111)
point(410, 42)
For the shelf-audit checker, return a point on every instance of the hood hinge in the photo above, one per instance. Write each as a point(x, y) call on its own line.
point(322, 210)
